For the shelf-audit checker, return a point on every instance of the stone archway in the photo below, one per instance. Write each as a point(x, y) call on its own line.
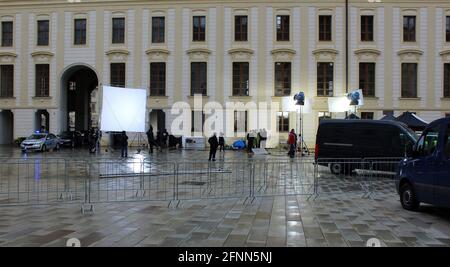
point(157, 119)
point(78, 106)
point(7, 127)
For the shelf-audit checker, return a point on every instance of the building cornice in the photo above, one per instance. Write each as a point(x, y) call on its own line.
point(157, 51)
point(325, 51)
point(409, 51)
point(367, 51)
point(445, 53)
point(240, 50)
point(283, 51)
point(8, 54)
point(117, 51)
point(42, 53)
point(198, 51)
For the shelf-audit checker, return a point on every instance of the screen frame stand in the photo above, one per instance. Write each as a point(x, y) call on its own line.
point(140, 142)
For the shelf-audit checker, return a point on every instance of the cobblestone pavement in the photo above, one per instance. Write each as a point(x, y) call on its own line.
point(330, 220)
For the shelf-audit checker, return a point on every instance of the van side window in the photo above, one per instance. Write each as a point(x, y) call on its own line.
point(428, 142)
point(447, 141)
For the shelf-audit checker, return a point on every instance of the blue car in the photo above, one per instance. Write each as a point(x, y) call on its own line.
point(424, 176)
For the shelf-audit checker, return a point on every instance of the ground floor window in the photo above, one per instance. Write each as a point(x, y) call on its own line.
point(447, 80)
point(6, 80)
point(283, 122)
point(197, 121)
point(117, 74)
point(409, 80)
point(42, 80)
point(325, 79)
point(240, 121)
point(367, 115)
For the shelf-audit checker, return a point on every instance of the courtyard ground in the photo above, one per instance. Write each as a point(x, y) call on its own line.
point(329, 220)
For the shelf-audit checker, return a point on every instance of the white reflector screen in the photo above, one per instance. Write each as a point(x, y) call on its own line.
point(123, 109)
point(338, 104)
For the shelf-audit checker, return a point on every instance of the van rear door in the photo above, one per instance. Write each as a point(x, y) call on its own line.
point(443, 169)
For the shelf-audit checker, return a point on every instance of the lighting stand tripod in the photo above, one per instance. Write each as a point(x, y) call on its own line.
point(140, 141)
point(303, 147)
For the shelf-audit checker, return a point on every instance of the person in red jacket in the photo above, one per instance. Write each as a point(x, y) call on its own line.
point(292, 141)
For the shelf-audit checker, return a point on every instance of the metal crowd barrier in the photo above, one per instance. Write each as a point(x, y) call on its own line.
point(58, 181)
point(41, 181)
point(361, 176)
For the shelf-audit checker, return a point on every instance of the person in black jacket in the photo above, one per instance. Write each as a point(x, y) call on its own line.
point(213, 144)
point(150, 139)
point(165, 137)
point(124, 144)
point(159, 140)
point(221, 142)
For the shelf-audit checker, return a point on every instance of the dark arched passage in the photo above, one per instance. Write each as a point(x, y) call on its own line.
point(78, 109)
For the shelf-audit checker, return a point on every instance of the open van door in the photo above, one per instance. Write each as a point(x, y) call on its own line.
point(443, 170)
point(424, 172)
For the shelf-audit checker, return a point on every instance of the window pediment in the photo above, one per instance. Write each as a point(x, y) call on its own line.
point(42, 53)
point(325, 54)
point(157, 53)
point(283, 54)
point(367, 54)
point(117, 54)
point(7, 57)
point(117, 51)
point(240, 53)
point(199, 53)
point(445, 55)
point(283, 51)
point(42, 56)
point(410, 54)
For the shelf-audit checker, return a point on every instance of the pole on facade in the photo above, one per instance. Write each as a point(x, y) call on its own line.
point(346, 46)
point(346, 50)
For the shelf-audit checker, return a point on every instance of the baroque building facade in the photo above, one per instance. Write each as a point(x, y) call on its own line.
point(55, 53)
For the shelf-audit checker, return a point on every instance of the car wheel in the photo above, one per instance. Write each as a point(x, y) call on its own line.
point(44, 148)
point(336, 168)
point(408, 197)
point(56, 147)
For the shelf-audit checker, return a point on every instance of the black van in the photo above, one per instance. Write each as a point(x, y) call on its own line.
point(358, 139)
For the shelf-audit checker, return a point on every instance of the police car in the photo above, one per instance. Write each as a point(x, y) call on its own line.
point(40, 142)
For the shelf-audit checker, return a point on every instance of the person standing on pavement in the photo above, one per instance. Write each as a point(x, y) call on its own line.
point(92, 140)
point(263, 141)
point(124, 145)
point(221, 142)
point(98, 140)
point(251, 141)
point(150, 139)
point(292, 140)
point(213, 144)
point(159, 140)
point(165, 136)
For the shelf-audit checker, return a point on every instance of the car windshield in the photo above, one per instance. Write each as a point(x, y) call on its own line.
point(411, 133)
point(36, 136)
point(66, 135)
